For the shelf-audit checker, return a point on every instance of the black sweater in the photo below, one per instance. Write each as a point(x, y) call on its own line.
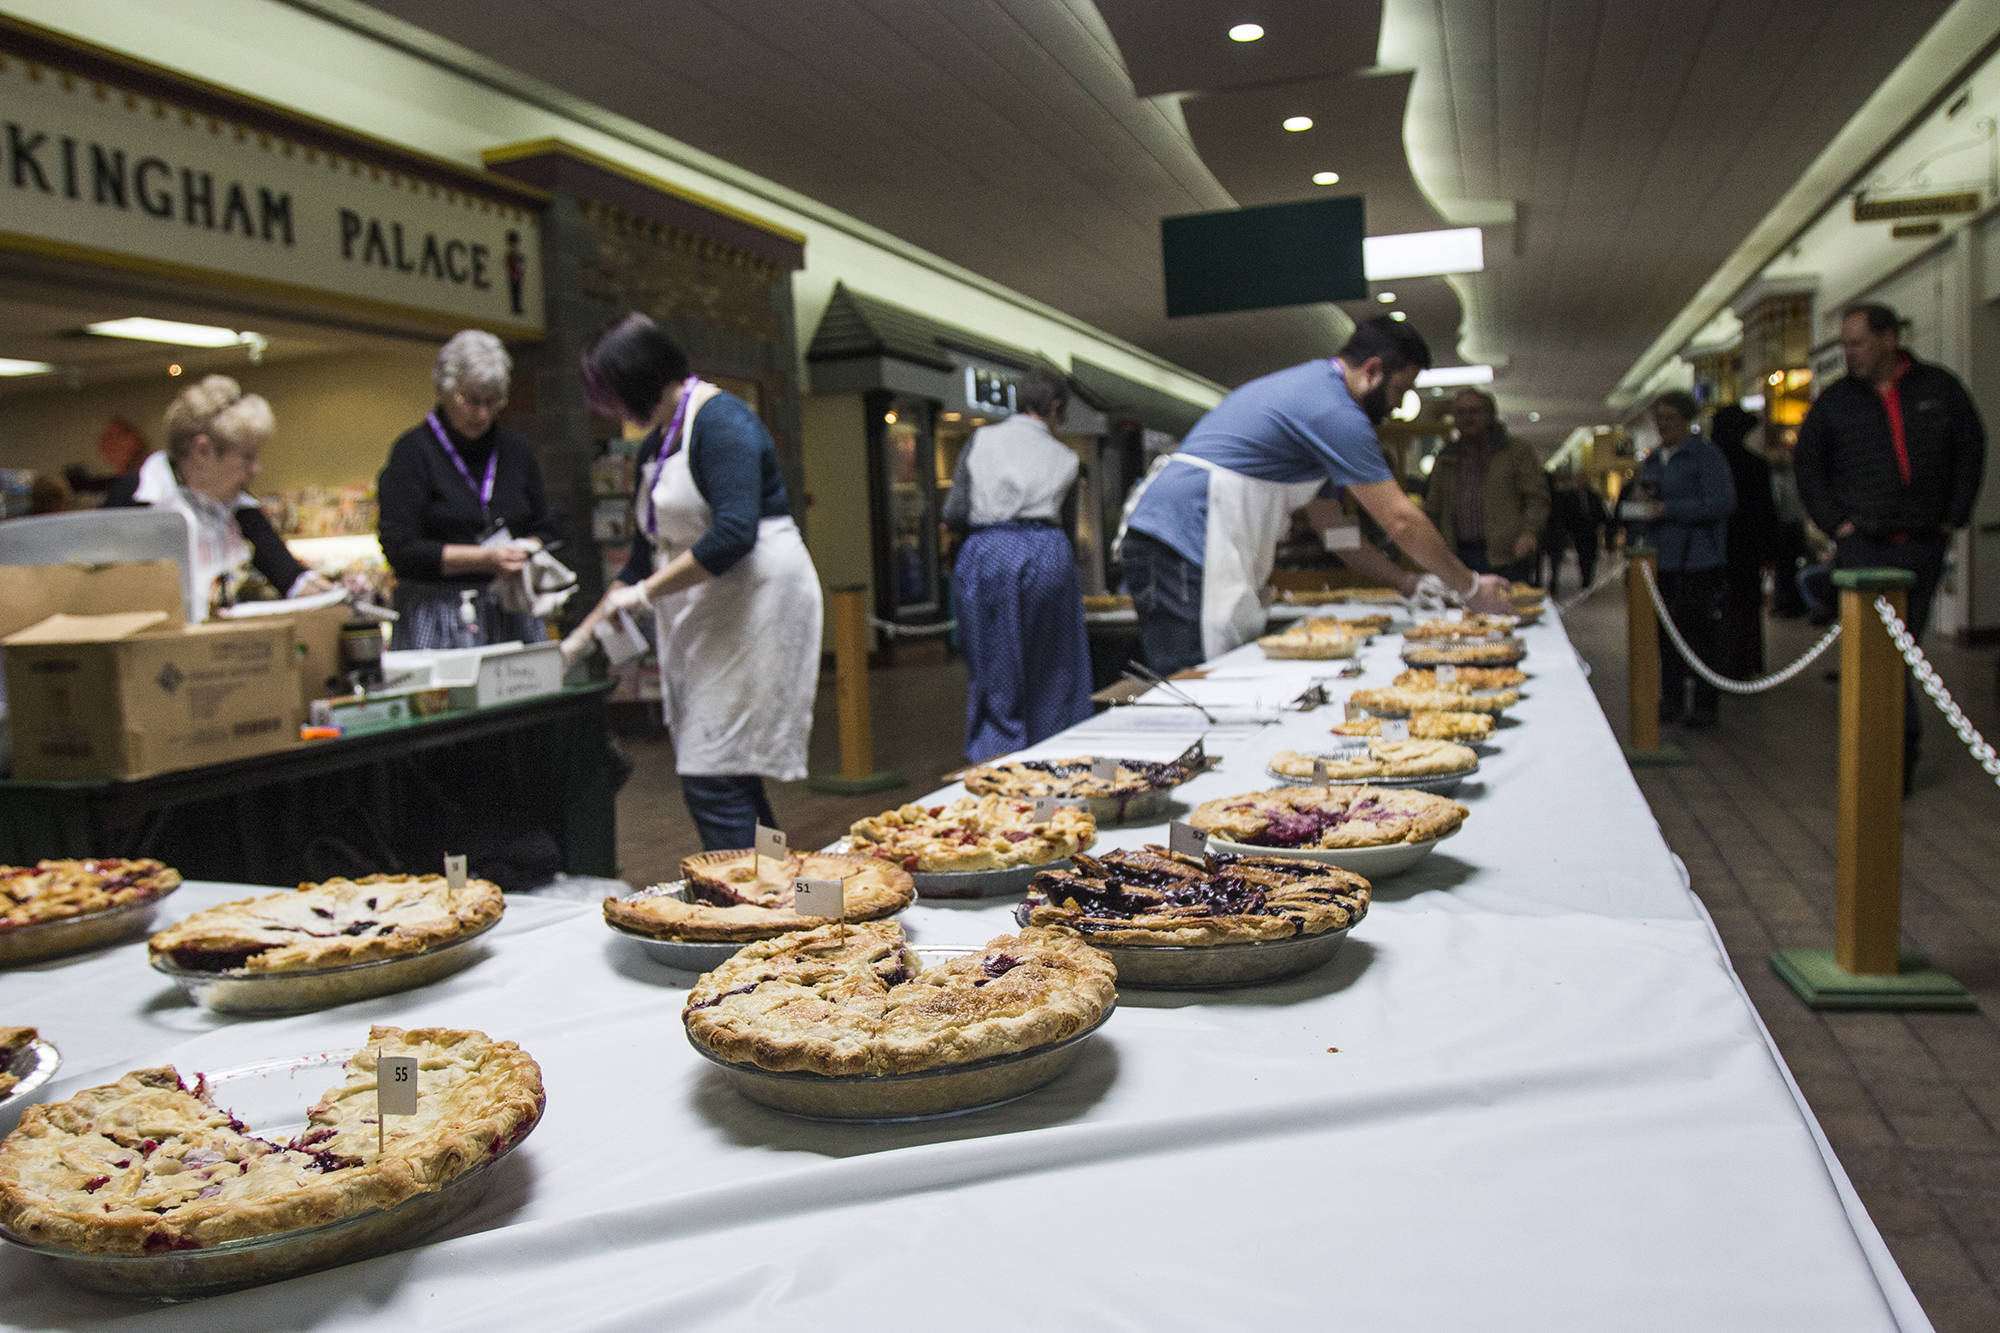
point(268, 552)
point(425, 505)
point(1846, 457)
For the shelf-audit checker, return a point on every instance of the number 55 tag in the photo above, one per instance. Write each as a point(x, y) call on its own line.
point(396, 1084)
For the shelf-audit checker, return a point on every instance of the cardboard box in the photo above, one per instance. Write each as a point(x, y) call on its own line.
point(130, 696)
point(30, 594)
point(479, 677)
point(316, 638)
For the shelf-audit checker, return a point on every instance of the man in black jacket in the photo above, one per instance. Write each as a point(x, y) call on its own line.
point(1888, 462)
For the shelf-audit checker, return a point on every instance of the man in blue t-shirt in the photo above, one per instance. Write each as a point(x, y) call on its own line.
point(1201, 540)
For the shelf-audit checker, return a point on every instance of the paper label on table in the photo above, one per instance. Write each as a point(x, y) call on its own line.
point(1341, 539)
point(1185, 838)
point(1447, 675)
point(1192, 757)
point(771, 843)
point(1319, 772)
point(1046, 806)
point(820, 897)
point(454, 873)
point(1104, 767)
point(396, 1084)
point(1395, 728)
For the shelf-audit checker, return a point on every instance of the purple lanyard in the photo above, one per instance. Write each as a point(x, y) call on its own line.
point(484, 492)
point(670, 443)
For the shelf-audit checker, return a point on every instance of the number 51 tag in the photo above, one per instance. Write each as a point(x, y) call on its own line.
point(820, 897)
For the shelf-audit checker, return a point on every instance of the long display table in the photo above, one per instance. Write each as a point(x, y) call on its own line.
point(1528, 1094)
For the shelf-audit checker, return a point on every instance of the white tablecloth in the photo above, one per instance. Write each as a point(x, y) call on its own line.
point(1528, 1094)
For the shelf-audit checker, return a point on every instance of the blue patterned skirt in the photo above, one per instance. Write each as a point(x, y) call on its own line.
point(429, 619)
point(1020, 625)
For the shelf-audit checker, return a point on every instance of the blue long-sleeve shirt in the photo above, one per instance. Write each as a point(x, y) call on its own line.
point(1699, 497)
point(735, 467)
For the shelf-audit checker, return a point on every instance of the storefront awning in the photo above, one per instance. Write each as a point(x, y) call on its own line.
point(857, 327)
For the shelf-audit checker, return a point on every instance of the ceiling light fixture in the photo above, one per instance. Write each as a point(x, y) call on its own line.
point(174, 369)
point(11, 368)
point(1386, 298)
point(888, 418)
point(1398, 316)
point(1297, 123)
point(1448, 375)
point(1534, 416)
point(141, 329)
point(1245, 32)
point(1326, 178)
point(1419, 254)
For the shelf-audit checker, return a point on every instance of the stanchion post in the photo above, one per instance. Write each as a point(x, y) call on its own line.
point(1642, 664)
point(849, 605)
point(1866, 968)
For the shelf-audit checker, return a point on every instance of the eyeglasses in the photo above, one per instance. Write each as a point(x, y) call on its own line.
point(479, 402)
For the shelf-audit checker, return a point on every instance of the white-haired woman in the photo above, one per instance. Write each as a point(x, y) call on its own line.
point(457, 496)
point(215, 436)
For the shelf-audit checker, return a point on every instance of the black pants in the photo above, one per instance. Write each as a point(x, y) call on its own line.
point(1694, 600)
point(1923, 557)
point(727, 810)
point(1166, 592)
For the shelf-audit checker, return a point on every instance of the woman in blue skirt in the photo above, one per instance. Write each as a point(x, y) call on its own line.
point(1020, 611)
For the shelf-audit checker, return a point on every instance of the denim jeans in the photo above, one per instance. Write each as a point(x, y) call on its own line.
point(727, 809)
point(1166, 592)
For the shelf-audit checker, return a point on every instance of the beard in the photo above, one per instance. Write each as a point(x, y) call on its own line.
point(1376, 404)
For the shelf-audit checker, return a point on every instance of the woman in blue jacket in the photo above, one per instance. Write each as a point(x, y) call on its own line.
point(1687, 481)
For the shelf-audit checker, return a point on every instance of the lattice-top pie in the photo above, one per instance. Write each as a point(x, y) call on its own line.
point(333, 924)
point(1473, 626)
point(1327, 817)
point(1397, 699)
point(59, 890)
point(972, 833)
point(742, 896)
point(1438, 726)
point(1155, 897)
point(1413, 758)
point(1494, 652)
point(150, 1164)
point(1466, 679)
point(1314, 640)
point(857, 1000)
point(12, 1042)
point(1029, 778)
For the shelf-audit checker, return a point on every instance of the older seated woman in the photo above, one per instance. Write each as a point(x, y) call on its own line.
point(215, 434)
point(458, 498)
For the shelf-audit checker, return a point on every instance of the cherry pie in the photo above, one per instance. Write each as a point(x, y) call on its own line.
point(1156, 897)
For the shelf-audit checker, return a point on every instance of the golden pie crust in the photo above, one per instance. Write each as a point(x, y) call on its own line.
point(1474, 626)
point(148, 1164)
point(1437, 726)
point(1314, 640)
point(1468, 679)
point(1413, 758)
point(1324, 596)
point(1329, 817)
point(1496, 652)
point(1397, 699)
point(12, 1042)
point(59, 890)
point(741, 896)
point(856, 1000)
point(333, 924)
point(972, 833)
point(1162, 899)
point(1025, 779)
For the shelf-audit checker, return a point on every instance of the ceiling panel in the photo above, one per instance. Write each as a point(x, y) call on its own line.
point(1179, 46)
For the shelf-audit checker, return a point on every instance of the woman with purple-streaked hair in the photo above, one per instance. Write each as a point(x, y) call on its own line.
point(719, 562)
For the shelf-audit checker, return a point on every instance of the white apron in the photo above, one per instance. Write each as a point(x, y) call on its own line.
point(739, 653)
point(1246, 517)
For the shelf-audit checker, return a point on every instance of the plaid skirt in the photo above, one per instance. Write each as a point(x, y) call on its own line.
point(429, 619)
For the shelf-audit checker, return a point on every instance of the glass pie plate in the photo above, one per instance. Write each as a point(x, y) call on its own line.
point(971, 883)
point(1428, 654)
point(33, 1065)
point(927, 1094)
point(1438, 784)
point(1369, 862)
point(272, 1098)
point(1202, 967)
point(691, 955)
point(74, 934)
point(241, 992)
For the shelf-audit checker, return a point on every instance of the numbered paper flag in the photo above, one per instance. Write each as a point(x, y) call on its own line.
point(1395, 729)
point(771, 843)
point(820, 897)
point(1447, 675)
point(396, 1084)
point(1319, 772)
point(1185, 839)
point(1104, 768)
point(454, 872)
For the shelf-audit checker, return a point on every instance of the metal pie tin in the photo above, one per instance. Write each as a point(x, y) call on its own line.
point(242, 992)
point(1203, 967)
point(1371, 863)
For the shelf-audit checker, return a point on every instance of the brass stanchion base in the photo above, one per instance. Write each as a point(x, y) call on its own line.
point(1824, 984)
point(839, 786)
point(1660, 756)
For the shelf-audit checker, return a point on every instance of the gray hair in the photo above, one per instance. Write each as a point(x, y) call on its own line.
point(472, 359)
point(217, 407)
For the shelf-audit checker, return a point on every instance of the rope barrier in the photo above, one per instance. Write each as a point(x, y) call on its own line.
point(1928, 677)
point(1701, 668)
point(1611, 576)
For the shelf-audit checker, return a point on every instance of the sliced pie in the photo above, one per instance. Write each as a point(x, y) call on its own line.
point(743, 896)
point(1329, 817)
point(12, 1042)
point(60, 890)
point(1156, 897)
point(972, 833)
point(333, 924)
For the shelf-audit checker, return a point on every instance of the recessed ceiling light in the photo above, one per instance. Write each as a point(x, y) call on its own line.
point(10, 367)
point(1326, 178)
point(1386, 298)
point(143, 329)
point(1534, 416)
point(1398, 316)
point(1297, 123)
point(1245, 32)
point(1420, 254)
point(888, 418)
point(174, 369)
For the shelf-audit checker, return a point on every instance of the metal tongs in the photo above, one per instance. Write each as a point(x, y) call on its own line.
point(1135, 670)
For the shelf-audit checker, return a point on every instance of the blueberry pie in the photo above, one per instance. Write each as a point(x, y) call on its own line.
point(12, 1042)
point(59, 890)
point(1156, 897)
point(1029, 778)
point(1330, 817)
point(1492, 652)
point(333, 924)
point(857, 1000)
point(151, 1164)
point(743, 896)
